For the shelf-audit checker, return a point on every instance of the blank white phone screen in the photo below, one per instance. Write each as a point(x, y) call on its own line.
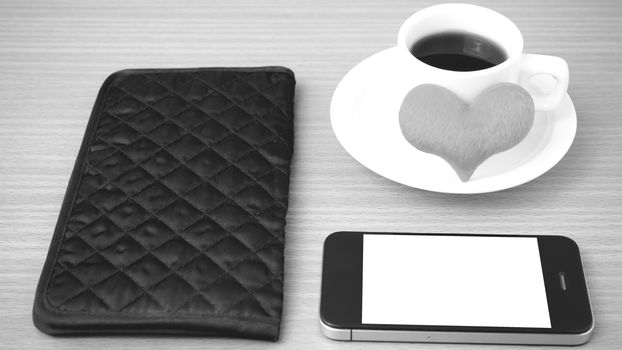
point(453, 281)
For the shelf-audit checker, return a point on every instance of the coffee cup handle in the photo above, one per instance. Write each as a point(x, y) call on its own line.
point(544, 98)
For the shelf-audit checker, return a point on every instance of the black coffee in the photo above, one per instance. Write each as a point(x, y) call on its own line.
point(457, 51)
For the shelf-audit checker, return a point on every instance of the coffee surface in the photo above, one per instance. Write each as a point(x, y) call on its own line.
point(458, 51)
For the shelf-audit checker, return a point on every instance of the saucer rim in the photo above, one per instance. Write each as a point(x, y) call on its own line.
point(536, 170)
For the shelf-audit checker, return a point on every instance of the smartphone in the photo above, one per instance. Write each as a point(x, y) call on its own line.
point(454, 288)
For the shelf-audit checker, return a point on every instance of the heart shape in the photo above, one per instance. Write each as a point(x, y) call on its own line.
point(434, 120)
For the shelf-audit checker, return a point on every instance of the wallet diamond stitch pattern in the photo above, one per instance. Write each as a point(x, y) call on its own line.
point(174, 218)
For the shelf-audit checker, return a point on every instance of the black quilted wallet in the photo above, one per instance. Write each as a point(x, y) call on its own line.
point(173, 220)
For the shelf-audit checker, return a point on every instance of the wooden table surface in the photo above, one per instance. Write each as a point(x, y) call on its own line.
point(54, 55)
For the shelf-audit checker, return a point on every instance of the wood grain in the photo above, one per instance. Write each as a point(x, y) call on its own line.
point(54, 55)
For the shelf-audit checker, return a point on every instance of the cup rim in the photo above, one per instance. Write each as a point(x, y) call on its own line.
point(406, 25)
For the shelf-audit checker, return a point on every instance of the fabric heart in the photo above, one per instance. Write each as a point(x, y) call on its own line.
point(435, 120)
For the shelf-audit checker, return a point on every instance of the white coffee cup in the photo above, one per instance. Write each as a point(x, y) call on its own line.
point(520, 68)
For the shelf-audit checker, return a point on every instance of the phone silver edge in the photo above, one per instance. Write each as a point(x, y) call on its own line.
point(455, 337)
point(460, 337)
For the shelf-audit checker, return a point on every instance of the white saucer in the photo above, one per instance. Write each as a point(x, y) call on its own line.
point(364, 116)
